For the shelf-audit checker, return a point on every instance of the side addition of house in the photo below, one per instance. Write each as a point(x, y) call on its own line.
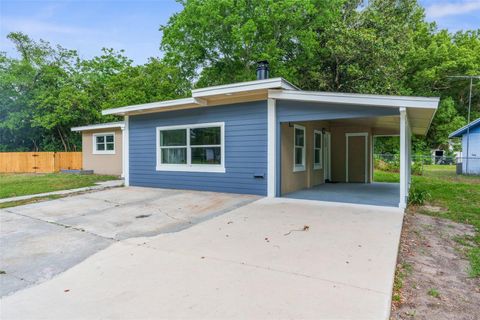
point(102, 147)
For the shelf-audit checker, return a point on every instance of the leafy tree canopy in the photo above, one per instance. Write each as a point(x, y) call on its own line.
point(385, 47)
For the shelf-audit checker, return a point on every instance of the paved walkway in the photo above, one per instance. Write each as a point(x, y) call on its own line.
point(256, 262)
point(98, 186)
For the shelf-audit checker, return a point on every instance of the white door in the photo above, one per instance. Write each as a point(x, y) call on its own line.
point(327, 173)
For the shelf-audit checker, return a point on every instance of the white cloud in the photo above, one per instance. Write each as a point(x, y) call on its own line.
point(40, 28)
point(452, 8)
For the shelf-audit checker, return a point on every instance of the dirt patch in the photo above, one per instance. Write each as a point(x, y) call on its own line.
point(432, 279)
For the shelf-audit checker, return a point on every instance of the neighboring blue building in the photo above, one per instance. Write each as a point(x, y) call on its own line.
point(472, 165)
point(265, 137)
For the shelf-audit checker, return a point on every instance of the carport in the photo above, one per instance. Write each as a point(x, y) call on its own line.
point(324, 144)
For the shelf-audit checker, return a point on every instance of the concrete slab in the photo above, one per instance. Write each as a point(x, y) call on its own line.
point(376, 193)
point(43, 239)
point(248, 263)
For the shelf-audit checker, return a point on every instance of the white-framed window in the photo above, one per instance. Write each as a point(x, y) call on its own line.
point(196, 147)
point(298, 148)
point(104, 143)
point(317, 149)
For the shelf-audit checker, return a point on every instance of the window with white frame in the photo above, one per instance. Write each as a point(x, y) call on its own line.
point(198, 147)
point(317, 149)
point(104, 143)
point(299, 148)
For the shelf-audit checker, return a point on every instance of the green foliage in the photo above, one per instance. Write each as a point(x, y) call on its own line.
point(13, 185)
point(383, 47)
point(49, 89)
point(434, 293)
point(418, 196)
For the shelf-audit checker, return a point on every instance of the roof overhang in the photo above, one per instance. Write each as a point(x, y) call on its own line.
point(100, 126)
point(460, 132)
point(420, 110)
point(210, 96)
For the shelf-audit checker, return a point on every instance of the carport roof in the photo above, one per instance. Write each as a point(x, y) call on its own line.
point(420, 109)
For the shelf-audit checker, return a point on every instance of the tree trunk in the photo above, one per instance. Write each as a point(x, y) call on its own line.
point(65, 148)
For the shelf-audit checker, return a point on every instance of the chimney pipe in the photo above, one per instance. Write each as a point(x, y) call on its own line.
point(263, 71)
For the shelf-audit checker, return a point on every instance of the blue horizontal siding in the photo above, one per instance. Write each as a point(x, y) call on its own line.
point(245, 149)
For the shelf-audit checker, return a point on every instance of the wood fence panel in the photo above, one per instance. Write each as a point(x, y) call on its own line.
point(39, 162)
point(68, 160)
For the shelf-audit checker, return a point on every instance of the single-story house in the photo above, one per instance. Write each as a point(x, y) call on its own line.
point(267, 137)
point(102, 147)
point(470, 158)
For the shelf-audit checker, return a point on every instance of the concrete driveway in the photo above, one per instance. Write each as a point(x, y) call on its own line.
point(43, 239)
point(259, 261)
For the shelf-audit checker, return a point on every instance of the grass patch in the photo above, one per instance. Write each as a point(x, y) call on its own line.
point(433, 293)
point(14, 185)
point(474, 256)
point(458, 195)
point(402, 271)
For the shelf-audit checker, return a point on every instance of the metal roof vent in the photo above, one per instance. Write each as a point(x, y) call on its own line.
point(263, 70)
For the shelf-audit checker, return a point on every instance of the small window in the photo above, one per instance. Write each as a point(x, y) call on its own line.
point(191, 148)
point(317, 149)
point(104, 143)
point(299, 148)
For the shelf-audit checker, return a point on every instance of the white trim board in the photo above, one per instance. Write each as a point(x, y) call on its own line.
point(272, 148)
point(94, 143)
point(99, 126)
point(355, 99)
point(304, 149)
point(356, 134)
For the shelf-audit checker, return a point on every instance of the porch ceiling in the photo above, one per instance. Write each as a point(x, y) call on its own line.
point(389, 125)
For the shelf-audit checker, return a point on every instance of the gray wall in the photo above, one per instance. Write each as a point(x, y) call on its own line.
point(245, 149)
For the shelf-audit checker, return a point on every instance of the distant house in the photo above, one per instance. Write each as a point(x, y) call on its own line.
point(102, 147)
point(470, 159)
point(268, 137)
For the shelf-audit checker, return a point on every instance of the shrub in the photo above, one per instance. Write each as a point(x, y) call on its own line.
point(417, 168)
point(388, 166)
point(418, 196)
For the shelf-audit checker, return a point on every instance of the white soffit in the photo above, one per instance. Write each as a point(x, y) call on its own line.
point(99, 126)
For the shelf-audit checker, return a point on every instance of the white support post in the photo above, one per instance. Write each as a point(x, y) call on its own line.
point(271, 138)
point(404, 158)
point(125, 151)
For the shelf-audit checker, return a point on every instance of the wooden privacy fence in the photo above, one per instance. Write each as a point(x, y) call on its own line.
point(39, 162)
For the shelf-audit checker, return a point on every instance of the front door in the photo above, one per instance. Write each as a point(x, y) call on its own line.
point(356, 157)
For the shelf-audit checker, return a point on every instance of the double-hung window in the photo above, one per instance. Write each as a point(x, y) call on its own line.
point(198, 147)
point(299, 148)
point(104, 143)
point(317, 149)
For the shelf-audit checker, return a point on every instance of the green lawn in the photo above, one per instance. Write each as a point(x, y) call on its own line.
point(12, 185)
point(459, 196)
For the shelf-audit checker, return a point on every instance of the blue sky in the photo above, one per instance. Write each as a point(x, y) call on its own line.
point(89, 25)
